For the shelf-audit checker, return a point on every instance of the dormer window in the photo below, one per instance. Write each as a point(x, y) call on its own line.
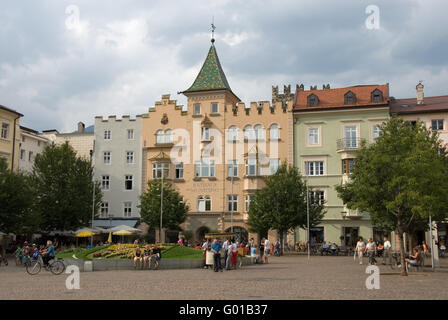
point(349, 98)
point(376, 96)
point(313, 100)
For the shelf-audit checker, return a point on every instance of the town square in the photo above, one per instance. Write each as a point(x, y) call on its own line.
point(295, 150)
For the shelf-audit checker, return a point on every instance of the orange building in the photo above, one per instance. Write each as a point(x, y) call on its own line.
point(217, 150)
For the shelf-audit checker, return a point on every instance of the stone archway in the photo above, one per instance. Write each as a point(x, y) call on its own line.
point(200, 232)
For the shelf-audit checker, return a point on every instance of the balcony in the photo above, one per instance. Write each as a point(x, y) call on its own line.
point(352, 214)
point(348, 144)
point(252, 183)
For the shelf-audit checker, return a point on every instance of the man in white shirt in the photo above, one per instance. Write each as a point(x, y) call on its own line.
point(360, 248)
point(371, 251)
point(267, 250)
point(386, 252)
point(226, 254)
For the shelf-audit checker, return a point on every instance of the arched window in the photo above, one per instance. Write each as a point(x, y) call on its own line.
point(312, 100)
point(204, 203)
point(233, 133)
point(168, 136)
point(274, 133)
point(349, 98)
point(259, 132)
point(249, 133)
point(160, 136)
point(376, 96)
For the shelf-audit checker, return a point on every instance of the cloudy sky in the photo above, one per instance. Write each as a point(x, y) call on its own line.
point(67, 61)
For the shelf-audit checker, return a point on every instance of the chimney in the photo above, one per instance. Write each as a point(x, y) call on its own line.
point(81, 127)
point(419, 88)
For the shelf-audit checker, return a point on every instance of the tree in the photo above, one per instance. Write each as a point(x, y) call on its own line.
point(16, 199)
point(281, 205)
point(174, 209)
point(64, 189)
point(400, 180)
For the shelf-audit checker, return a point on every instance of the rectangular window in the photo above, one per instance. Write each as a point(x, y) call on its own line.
point(197, 109)
point(106, 157)
point(205, 168)
point(273, 165)
point(107, 135)
point(248, 199)
point(159, 168)
point(317, 197)
point(30, 156)
point(251, 167)
point(129, 157)
point(314, 168)
point(350, 134)
point(22, 154)
point(376, 131)
point(180, 170)
point(127, 209)
point(38, 143)
point(205, 134)
point(130, 134)
point(104, 209)
point(128, 182)
point(232, 168)
point(313, 136)
point(214, 107)
point(347, 166)
point(105, 182)
point(204, 204)
point(232, 203)
point(5, 130)
point(437, 125)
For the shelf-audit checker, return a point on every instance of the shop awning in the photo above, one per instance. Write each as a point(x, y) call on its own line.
point(107, 224)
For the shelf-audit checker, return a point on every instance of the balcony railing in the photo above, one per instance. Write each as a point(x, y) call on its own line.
point(348, 144)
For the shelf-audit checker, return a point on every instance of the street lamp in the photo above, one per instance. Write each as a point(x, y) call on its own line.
point(161, 206)
point(308, 219)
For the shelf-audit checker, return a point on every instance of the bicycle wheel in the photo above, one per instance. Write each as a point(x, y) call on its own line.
point(57, 267)
point(33, 267)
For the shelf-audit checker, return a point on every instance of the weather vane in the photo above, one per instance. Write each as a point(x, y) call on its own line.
point(213, 29)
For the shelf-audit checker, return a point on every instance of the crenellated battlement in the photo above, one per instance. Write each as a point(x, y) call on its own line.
point(113, 118)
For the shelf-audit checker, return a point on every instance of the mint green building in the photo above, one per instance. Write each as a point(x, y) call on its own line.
point(329, 125)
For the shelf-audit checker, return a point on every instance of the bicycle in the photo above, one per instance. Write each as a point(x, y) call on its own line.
point(34, 265)
point(395, 260)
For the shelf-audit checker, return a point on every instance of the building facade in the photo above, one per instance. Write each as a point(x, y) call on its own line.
point(118, 167)
point(329, 125)
point(433, 111)
point(217, 150)
point(31, 144)
point(80, 140)
point(10, 136)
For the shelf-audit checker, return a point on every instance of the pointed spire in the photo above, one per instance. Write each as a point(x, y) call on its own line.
point(211, 76)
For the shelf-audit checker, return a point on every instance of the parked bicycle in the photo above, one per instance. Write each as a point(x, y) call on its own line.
point(34, 265)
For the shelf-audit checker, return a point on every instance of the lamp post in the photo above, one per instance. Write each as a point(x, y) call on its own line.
point(161, 206)
point(93, 194)
point(308, 219)
point(231, 207)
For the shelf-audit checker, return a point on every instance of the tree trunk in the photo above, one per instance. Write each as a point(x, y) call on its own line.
point(400, 237)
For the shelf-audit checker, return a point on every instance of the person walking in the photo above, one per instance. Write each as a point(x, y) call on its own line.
point(359, 250)
point(371, 251)
point(205, 246)
point(234, 252)
point(216, 249)
point(386, 251)
point(267, 250)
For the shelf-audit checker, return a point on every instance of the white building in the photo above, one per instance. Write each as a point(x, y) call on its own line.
point(31, 144)
point(118, 167)
point(80, 140)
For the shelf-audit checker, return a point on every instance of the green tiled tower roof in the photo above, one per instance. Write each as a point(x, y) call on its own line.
point(211, 76)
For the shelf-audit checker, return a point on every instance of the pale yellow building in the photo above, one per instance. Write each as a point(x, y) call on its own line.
point(218, 149)
point(10, 136)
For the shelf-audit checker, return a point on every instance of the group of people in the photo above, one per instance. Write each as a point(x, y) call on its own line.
point(27, 251)
point(371, 249)
point(149, 254)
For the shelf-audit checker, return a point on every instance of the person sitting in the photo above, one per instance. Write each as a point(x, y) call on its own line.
point(380, 249)
point(325, 247)
point(414, 259)
point(254, 255)
point(157, 256)
point(334, 249)
point(442, 250)
point(138, 257)
point(147, 256)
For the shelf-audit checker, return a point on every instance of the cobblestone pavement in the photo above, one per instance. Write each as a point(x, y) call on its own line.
point(288, 277)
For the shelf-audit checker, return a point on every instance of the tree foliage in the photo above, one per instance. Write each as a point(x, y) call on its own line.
point(16, 199)
point(282, 205)
point(400, 179)
point(64, 189)
point(174, 209)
